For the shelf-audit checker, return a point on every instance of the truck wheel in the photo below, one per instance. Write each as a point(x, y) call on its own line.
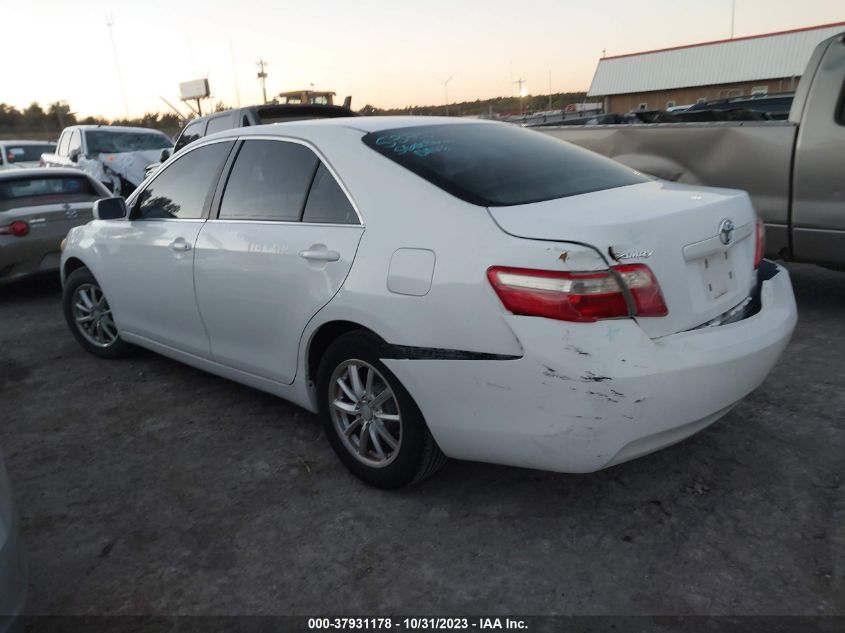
point(373, 424)
point(89, 316)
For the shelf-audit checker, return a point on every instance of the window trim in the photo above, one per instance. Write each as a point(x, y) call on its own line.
point(65, 134)
point(214, 212)
point(133, 200)
point(78, 134)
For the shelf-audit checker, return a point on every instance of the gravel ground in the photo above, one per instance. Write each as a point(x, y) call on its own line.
point(148, 487)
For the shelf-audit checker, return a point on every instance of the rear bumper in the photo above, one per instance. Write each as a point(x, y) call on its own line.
point(587, 396)
point(13, 269)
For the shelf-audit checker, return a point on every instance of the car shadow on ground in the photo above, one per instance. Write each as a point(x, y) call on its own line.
point(36, 287)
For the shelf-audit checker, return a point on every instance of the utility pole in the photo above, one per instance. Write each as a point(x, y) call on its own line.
point(110, 24)
point(235, 74)
point(446, 91)
point(550, 90)
point(733, 17)
point(262, 75)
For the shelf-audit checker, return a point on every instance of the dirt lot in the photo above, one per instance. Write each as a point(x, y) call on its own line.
point(147, 487)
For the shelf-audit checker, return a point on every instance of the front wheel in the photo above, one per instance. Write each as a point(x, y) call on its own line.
point(89, 316)
point(372, 422)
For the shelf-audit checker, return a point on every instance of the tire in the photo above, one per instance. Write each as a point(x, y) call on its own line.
point(82, 297)
point(415, 455)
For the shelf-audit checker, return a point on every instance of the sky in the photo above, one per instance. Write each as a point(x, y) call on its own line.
point(388, 53)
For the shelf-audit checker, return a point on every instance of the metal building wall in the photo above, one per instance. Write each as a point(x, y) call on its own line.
point(732, 61)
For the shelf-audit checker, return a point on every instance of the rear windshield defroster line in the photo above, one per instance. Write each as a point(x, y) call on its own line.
point(496, 165)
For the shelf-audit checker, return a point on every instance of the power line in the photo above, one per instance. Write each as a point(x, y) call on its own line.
point(110, 24)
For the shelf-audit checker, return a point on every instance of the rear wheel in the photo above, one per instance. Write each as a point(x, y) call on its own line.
point(89, 316)
point(372, 422)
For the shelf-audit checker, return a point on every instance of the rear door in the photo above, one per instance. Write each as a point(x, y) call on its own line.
point(280, 248)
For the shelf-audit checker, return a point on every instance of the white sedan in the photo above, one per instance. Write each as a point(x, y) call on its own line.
point(437, 287)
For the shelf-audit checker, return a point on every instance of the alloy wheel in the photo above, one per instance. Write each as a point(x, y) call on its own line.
point(92, 316)
point(365, 413)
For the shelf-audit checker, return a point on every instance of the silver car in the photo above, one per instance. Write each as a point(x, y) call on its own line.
point(12, 565)
point(37, 209)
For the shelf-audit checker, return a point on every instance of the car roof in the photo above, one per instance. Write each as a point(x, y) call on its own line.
point(33, 172)
point(12, 141)
point(364, 124)
point(114, 128)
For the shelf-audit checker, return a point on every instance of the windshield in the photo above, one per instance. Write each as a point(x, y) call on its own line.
point(499, 164)
point(27, 153)
point(109, 142)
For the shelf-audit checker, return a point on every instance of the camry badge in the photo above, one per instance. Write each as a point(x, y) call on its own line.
point(726, 231)
point(630, 254)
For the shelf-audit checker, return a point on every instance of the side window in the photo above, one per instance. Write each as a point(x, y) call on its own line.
point(218, 124)
point(326, 201)
point(190, 134)
point(180, 190)
point(269, 181)
point(75, 142)
point(63, 143)
point(245, 121)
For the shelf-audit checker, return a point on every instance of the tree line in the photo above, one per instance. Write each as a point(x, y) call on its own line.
point(497, 106)
point(35, 119)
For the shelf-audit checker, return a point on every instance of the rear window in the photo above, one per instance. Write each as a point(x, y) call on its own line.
point(496, 165)
point(27, 153)
point(23, 192)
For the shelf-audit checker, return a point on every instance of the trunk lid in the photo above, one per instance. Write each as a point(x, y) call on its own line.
point(676, 230)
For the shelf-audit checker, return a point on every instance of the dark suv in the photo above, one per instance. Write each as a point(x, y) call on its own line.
point(245, 117)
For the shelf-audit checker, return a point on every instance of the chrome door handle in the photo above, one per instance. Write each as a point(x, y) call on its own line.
point(320, 255)
point(179, 244)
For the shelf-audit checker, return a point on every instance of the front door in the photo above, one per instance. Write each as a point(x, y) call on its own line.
point(149, 281)
point(280, 249)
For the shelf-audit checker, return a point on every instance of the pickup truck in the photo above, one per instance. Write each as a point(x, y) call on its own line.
point(115, 156)
point(794, 170)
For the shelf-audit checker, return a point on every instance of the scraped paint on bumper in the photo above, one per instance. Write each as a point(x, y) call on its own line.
point(585, 396)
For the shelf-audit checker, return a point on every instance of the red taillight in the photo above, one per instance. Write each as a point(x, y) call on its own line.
point(577, 296)
point(18, 228)
point(759, 242)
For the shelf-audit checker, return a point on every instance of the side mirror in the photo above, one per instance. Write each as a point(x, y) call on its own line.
point(165, 154)
point(74, 155)
point(110, 209)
